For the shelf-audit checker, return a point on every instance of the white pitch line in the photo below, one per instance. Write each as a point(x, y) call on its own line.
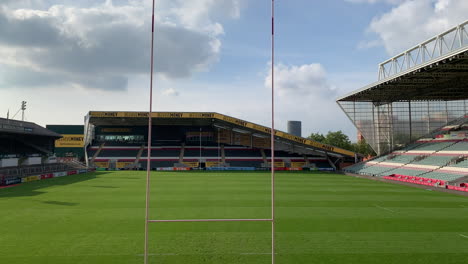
point(386, 209)
point(463, 236)
point(158, 254)
point(177, 254)
point(256, 253)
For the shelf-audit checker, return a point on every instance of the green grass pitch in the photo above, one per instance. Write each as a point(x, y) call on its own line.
point(321, 218)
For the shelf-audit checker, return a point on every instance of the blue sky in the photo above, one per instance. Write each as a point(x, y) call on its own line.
point(69, 57)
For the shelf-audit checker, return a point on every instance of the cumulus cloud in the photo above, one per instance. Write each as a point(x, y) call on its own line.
point(305, 92)
point(100, 46)
point(303, 80)
point(412, 22)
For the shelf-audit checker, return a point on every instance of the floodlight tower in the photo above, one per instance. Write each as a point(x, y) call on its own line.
point(23, 107)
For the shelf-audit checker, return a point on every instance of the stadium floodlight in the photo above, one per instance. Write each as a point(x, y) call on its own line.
point(272, 137)
point(23, 107)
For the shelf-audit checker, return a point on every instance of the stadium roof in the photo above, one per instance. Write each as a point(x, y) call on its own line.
point(284, 140)
point(10, 126)
point(436, 69)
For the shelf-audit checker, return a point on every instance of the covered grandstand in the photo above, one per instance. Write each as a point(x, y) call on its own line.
point(27, 153)
point(118, 140)
point(415, 115)
point(418, 91)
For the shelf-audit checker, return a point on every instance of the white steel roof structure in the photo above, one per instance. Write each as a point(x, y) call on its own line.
point(418, 91)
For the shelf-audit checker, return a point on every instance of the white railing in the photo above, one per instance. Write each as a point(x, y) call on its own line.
point(446, 43)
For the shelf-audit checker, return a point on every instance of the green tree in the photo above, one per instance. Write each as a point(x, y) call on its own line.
point(363, 148)
point(317, 137)
point(338, 139)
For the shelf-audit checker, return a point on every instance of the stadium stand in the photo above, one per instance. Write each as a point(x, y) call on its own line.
point(443, 158)
point(415, 115)
point(27, 153)
point(117, 140)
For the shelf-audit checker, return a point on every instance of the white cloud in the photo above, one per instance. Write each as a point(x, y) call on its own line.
point(375, 1)
point(304, 92)
point(304, 80)
point(170, 92)
point(101, 46)
point(414, 21)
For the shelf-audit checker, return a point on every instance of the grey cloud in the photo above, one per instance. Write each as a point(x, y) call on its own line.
point(34, 31)
point(96, 48)
point(308, 80)
point(26, 78)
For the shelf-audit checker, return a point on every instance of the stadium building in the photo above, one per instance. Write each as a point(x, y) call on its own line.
point(70, 146)
point(415, 115)
point(27, 153)
point(181, 140)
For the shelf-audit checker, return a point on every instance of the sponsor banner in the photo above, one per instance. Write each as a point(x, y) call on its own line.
point(212, 164)
point(82, 171)
point(66, 159)
point(116, 130)
point(191, 164)
point(72, 172)
point(298, 164)
point(165, 169)
point(181, 169)
point(30, 178)
point(47, 176)
point(463, 189)
point(294, 169)
point(60, 174)
point(326, 169)
point(101, 164)
point(154, 115)
point(12, 181)
point(70, 141)
point(173, 169)
point(231, 168)
point(277, 164)
point(123, 164)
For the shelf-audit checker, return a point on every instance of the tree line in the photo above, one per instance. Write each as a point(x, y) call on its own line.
point(339, 139)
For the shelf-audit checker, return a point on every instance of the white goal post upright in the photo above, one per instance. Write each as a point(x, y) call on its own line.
point(150, 124)
point(272, 147)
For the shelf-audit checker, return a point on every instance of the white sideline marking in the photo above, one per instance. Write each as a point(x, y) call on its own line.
point(177, 254)
point(390, 210)
point(158, 254)
point(463, 236)
point(256, 253)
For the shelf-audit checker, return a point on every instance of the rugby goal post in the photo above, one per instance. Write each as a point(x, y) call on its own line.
point(272, 136)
